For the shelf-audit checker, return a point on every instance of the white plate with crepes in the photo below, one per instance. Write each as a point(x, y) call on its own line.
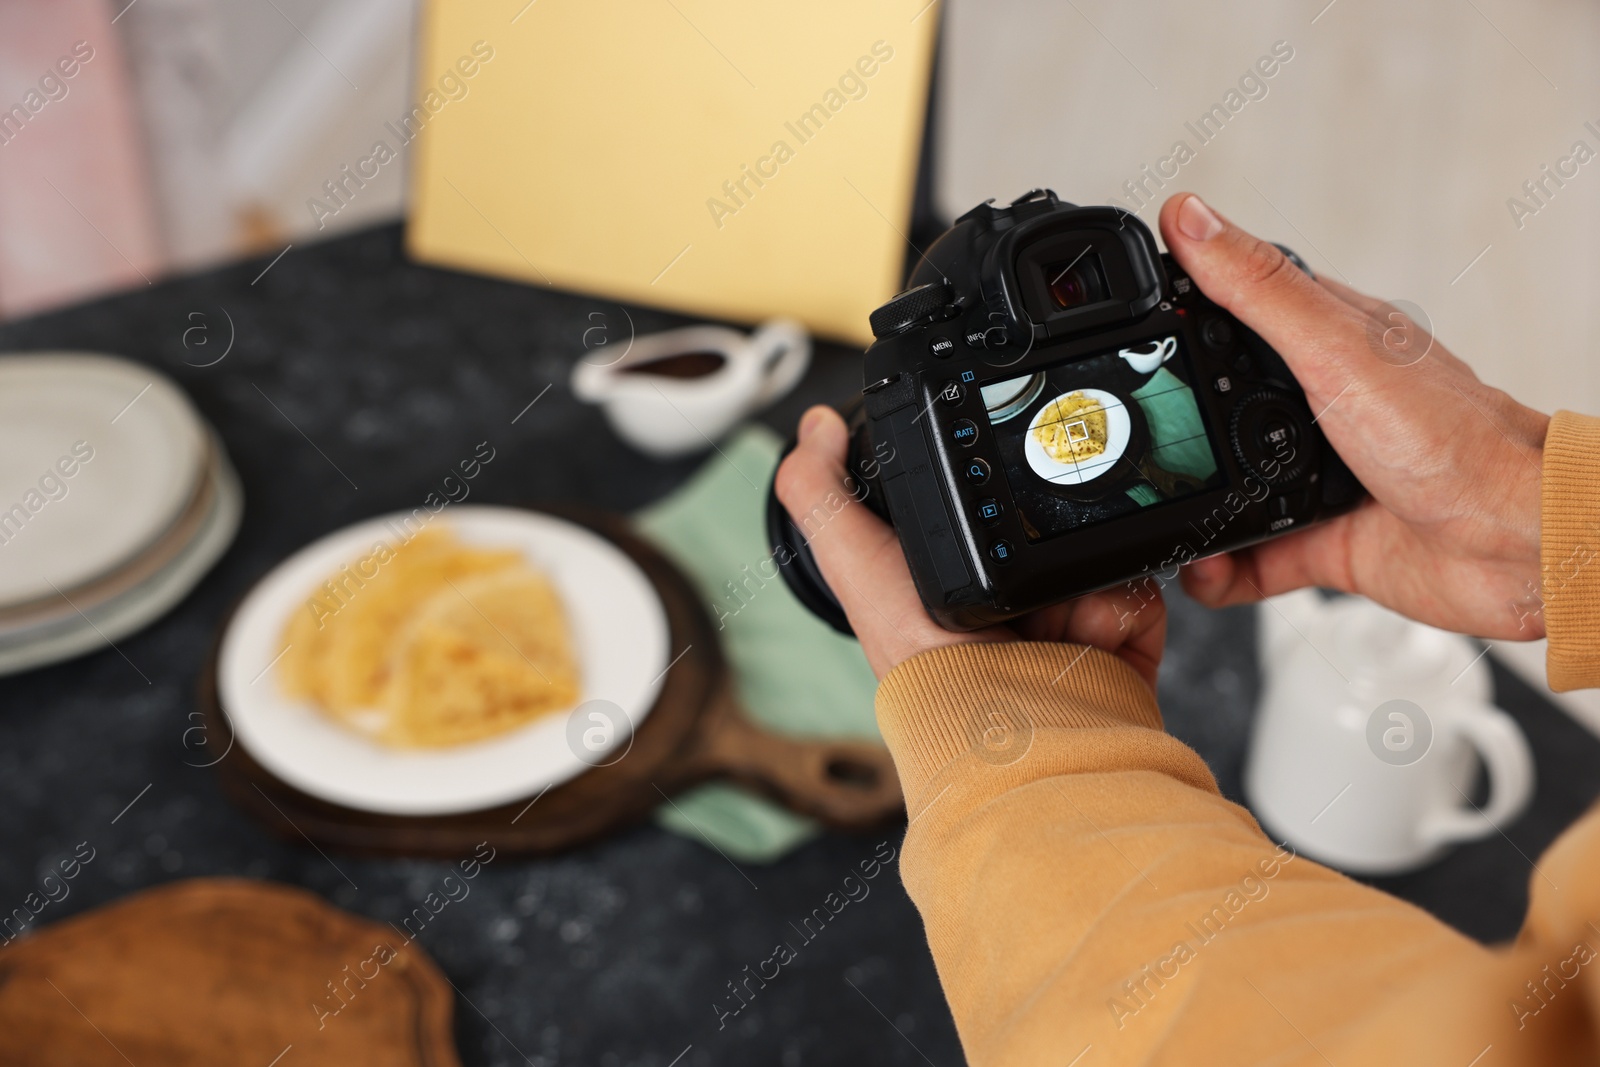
point(619, 635)
point(1119, 427)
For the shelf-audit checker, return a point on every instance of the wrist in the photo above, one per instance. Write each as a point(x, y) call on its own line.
point(1521, 508)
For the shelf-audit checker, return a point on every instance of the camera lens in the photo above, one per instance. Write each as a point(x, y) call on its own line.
point(1075, 282)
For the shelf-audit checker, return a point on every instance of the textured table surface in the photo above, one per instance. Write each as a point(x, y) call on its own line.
point(354, 383)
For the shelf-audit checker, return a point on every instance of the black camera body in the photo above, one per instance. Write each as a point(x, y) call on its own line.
point(1052, 407)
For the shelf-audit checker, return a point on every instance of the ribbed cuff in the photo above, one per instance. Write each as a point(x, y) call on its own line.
point(940, 704)
point(1569, 550)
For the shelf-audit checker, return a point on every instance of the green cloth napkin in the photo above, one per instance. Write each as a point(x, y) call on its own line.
point(1178, 441)
point(793, 673)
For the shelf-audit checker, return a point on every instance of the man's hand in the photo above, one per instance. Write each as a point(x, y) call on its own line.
point(861, 558)
point(1451, 534)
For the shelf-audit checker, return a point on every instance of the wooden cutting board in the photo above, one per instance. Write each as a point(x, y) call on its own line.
point(696, 732)
point(222, 971)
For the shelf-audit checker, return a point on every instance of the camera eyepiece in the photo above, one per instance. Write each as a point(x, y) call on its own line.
point(1076, 282)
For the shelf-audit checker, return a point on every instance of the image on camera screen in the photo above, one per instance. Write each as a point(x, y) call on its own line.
point(1097, 438)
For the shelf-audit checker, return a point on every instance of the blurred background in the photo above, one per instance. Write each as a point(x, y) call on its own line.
point(200, 130)
point(193, 171)
point(1385, 151)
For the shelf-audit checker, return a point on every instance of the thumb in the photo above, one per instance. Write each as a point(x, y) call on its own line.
point(1321, 337)
point(823, 500)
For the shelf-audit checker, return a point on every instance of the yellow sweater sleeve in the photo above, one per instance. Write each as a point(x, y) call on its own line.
point(1570, 550)
point(1090, 898)
point(1086, 890)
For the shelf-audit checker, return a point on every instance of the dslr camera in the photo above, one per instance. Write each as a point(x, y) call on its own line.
point(1053, 407)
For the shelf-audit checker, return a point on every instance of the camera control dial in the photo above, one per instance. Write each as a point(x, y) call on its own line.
point(1271, 436)
point(916, 305)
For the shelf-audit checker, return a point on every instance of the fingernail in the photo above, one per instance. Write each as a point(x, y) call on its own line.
point(809, 422)
point(1197, 221)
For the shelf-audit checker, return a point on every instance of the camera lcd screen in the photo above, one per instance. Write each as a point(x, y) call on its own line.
point(1097, 438)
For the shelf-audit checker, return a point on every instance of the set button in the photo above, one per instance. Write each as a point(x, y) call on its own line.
point(964, 432)
point(1277, 436)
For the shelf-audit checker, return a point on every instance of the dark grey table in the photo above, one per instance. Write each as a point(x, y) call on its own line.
point(356, 381)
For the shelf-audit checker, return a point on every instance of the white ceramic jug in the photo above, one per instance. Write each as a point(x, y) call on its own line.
point(1369, 735)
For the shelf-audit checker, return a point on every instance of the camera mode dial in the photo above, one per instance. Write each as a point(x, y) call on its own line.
point(1272, 436)
point(917, 305)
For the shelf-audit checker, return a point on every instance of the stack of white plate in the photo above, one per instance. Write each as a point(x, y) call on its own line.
point(115, 499)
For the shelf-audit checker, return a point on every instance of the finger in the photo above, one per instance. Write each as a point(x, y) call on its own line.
point(1319, 556)
point(1367, 305)
point(1131, 628)
point(1208, 580)
point(1394, 332)
point(1112, 617)
point(857, 552)
point(811, 483)
point(1106, 619)
point(1319, 335)
point(1129, 621)
point(1410, 341)
point(1224, 580)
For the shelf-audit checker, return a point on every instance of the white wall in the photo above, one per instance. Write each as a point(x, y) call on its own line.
point(1384, 151)
point(317, 104)
point(248, 107)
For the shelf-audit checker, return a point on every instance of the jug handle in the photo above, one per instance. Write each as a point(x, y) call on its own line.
point(783, 350)
point(1506, 757)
